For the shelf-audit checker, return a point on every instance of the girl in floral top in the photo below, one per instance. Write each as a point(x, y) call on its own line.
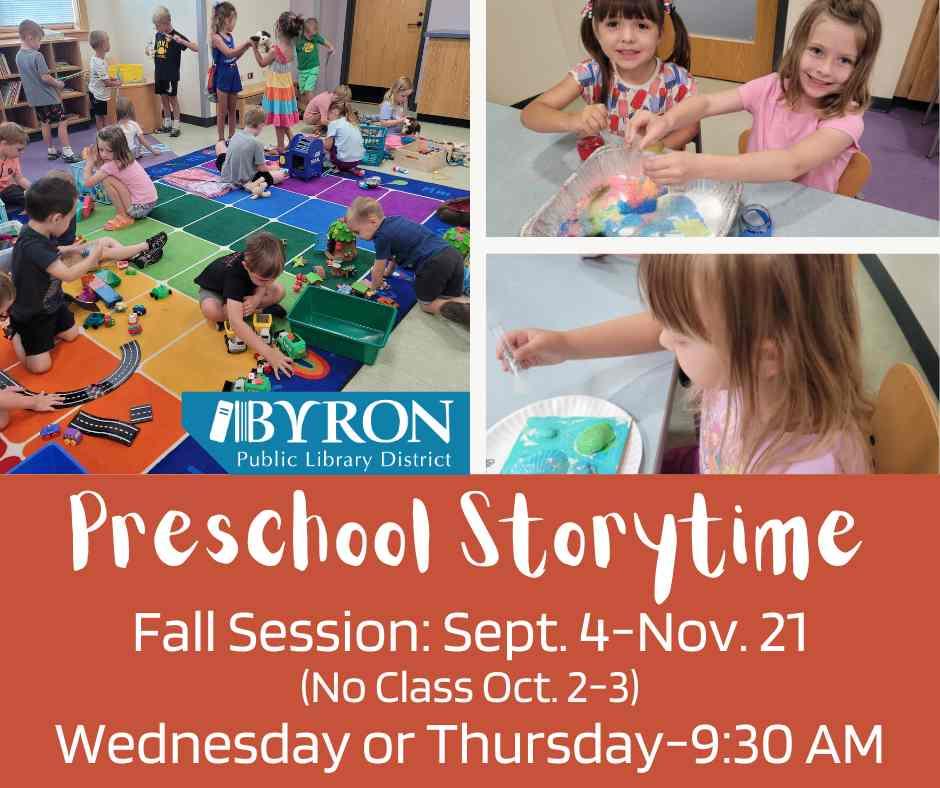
point(771, 343)
point(623, 76)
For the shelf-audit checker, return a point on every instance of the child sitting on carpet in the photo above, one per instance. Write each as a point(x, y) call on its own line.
point(438, 266)
point(394, 109)
point(242, 161)
point(344, 139)
point(136, 140)
point(13, 184)
point(12, 398)
point(39, 315)
point(126, 182)
point(318, 110)
point(772, 344)
point(240, 284)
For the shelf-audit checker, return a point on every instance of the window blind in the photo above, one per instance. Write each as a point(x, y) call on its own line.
point(45, 12)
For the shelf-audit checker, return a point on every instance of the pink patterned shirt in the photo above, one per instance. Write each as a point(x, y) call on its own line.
point(661, 92)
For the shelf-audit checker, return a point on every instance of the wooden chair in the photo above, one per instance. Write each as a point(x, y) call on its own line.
point(905, 433)
point(854, 178)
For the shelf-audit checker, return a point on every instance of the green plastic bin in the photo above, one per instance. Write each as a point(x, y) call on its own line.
point(343, 324)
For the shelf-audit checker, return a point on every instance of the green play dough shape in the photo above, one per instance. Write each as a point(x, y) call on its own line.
point(595, 439)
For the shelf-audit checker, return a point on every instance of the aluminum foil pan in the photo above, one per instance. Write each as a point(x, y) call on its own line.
point(717, 202)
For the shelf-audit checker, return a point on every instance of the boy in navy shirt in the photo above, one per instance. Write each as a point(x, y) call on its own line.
point(438, 267)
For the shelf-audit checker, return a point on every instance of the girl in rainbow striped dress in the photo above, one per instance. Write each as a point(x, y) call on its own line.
point(279, 101)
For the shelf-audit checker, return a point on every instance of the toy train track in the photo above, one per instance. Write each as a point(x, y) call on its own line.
point(130, 361)
point(112, 429)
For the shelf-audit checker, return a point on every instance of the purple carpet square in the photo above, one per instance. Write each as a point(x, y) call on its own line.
point(310, 188)
point(418, 209)
point(344, 193)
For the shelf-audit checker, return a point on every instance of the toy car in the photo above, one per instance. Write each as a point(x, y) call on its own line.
point(291, 345)
point(160, 292)
point(71, 437)
point(257, 382)
point(49, 431)
point(370, 183)
point(387, 301)
point(95, 320)
point(262, 325)
point(233, 344)
point(139, 309)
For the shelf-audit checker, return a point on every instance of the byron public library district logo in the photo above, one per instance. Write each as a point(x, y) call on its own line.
point(385, 433)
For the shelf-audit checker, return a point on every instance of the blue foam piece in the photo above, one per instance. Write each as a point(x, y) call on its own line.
point(51, 458)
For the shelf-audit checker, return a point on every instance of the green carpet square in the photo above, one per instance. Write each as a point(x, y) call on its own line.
point(166, 193)
point(102, 214)
point(226, 226)
point(298, 241)
point(183, 252)
point(139, 231)
point(184, 210)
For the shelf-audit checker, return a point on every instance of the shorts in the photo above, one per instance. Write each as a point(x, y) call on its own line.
point(39, 332)
point(141, 209)
point(442, 275)
point(13, 197)
point(50, 113)
point(166, 87)
point(205, 295)
point(97, 106)
point(307, 80)
point(220, 162)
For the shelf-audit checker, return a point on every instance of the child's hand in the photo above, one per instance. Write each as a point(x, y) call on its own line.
point(644, 129)
point(43, 402)
point(533, 347)
point(672, 168)
point(250, 304)
point(280, 364)
point(591, 120)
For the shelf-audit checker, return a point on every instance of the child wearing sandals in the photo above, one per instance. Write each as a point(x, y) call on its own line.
point(126, 182)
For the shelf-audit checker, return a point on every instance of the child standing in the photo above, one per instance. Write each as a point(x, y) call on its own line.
point(438, 266)
point(39, 315)
point(242, 161)
point(808, 119)
point(131, 128)
point(394, 109)
point(168, 46)
point(318, 109)
point(771, 344)
point(43, 91)
point(623, 76)
point(13, 184)
point(344, 139)
point(99, 83)
point(240, 284)
point(126, 182)
point(226, 81)
point(279, 100)
point(308, 58)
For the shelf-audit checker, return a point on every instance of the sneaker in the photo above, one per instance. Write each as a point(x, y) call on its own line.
point(146, 258)
point(457, 312)
point(157, 241)
point(175, 132)
point(52, 155)
point(220, 326)
point(163, 130)
point(71, 158)
point(275, 310)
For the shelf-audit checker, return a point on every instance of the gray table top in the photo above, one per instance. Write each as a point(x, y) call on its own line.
point(524, 170)
point(524, 291)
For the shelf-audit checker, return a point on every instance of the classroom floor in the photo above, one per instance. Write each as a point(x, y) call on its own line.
point(181, 352)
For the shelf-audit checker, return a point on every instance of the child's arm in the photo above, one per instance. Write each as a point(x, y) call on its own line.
point(545, 114)
point(677, 140)
point(622, 336)
point(767, 166)
point(185, 43)
point(380, 269)
point(69, 273)
point(58, 84)
point(263, 60)
point(329, 45)
point(12, 399)
point(225, 49)
point(646, 128)
point(234, 311)
point(22, 181)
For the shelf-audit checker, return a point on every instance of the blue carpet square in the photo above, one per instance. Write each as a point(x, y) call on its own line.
point(272, 207)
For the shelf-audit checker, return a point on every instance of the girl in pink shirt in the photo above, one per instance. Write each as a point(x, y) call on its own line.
point(318, 110)
point(771, 344)
point(126, 182)
point(807, 118)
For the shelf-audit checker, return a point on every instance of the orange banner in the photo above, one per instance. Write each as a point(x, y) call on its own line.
point(735, 632)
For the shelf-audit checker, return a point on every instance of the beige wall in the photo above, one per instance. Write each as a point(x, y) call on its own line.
point(899, 18)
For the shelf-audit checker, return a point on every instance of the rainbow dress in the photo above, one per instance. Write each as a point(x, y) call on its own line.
point(279, 101)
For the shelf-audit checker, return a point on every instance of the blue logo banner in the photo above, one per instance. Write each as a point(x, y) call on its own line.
point(332, 433)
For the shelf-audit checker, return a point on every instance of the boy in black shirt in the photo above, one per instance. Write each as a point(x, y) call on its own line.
point(39, 315)
point(168, 45)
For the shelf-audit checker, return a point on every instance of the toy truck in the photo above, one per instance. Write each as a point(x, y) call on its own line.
point(232, 342)
point(291, 345)
point(262, 325)
point(160, 292)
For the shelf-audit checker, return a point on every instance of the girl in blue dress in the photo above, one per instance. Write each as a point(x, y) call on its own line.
point(226, 82)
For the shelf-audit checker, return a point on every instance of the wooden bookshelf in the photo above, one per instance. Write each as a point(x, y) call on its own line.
point(63, 56)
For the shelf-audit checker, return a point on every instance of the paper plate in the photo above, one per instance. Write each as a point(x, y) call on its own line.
point(501, 437)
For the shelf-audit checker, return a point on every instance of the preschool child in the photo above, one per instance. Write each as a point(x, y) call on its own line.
point(623, 75)
point(242, 161)
point(236, 286)
point(318, 109)
point(13, 398)
point(308, 58)
point(43, 91)
point(136, 141)
point(128, 186)
point(394, 109)
point(168, 46)
point(226, 81)
point(278, 101)
point(438, 266)
point(771, 344)
point(13, 184)
point(808, 118)
point(39, 315)
point(344, 139)
point(99, 83)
